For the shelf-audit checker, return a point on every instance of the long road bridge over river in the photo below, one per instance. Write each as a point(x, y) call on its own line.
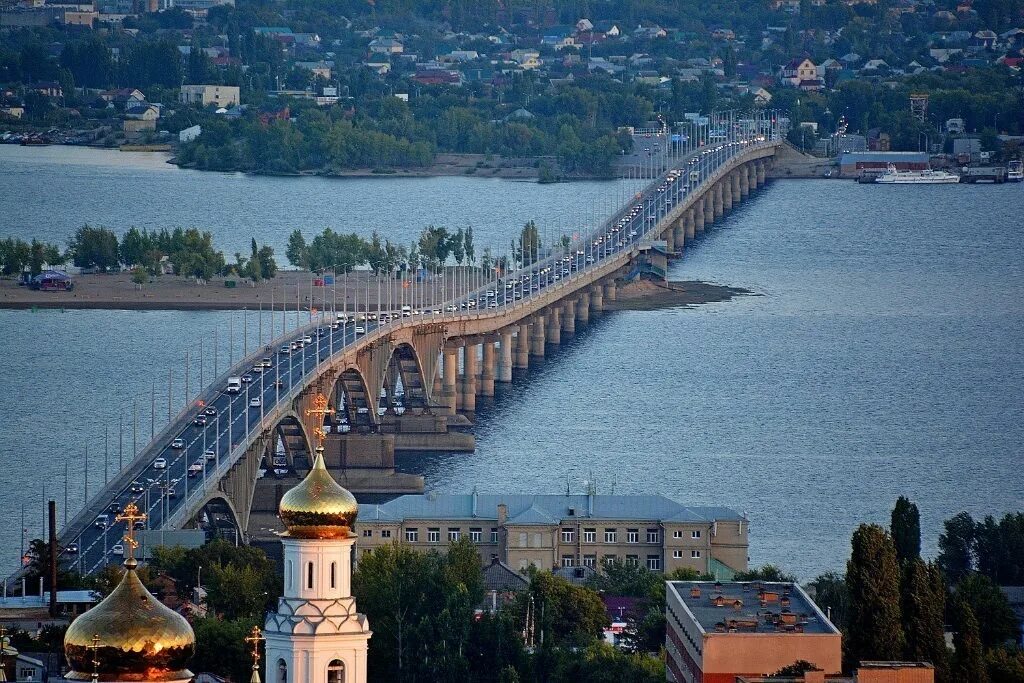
point(443, 358)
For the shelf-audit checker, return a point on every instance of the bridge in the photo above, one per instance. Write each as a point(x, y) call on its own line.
point(410, 372)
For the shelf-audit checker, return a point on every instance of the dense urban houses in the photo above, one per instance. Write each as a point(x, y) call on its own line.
point(556, 531)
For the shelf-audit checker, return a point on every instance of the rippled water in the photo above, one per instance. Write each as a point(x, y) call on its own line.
point(882, 354)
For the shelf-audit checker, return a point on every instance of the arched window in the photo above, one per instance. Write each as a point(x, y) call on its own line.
point(282, 671)
point(288, 574)
point(336, 671)
point(334, 566)
point(309, 575)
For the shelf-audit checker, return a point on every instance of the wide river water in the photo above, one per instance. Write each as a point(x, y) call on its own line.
point(881, 354)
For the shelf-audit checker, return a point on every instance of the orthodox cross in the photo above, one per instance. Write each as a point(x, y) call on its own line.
point(255, 638)
point(320, 409)
point(130, 515)
point(95, 660)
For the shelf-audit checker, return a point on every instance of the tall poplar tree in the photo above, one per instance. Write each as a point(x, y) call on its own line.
point(906, 530)
point(969, 659)
point(924, 607)
point(873, 581)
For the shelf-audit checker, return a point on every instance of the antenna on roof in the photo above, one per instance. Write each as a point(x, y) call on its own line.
point(567, 484)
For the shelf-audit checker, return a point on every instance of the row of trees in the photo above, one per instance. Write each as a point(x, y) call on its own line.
point(334, 251)
point(893, 605)
point(189, 250)
point(17, 254)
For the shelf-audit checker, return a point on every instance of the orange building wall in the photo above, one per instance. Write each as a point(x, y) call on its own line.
point(909, 675)
point(765, 653)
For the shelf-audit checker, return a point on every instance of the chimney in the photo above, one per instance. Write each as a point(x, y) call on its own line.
point(52, 509)
point(502, 514)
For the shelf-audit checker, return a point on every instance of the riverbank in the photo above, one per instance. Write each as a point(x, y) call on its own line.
point(296, 289)
point(645, 295)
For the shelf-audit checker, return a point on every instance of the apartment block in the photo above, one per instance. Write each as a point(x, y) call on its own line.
point(552, 531)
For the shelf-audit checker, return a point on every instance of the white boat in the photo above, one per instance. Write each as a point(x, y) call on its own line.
point(1015, 171)
point(925, 177)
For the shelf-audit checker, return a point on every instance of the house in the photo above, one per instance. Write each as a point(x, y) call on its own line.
point(875, 65)
point(189, 134)
point(584, 25)
point(438, 77)
point(386, 46)
point(379, 68)
point(607, 28)
point(649, 32)
point(942, 54)
point(320, 68)
point(723, 34)
point(526, 59)
point(761, 96)
point(801, 73)
point(519, 114)
point(205, 95)
point(463, 55)
point(140, 118)
point(985, 38)
point(48, 88)
point(558, 42)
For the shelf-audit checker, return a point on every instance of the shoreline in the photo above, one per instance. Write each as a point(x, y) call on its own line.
point(291, 289)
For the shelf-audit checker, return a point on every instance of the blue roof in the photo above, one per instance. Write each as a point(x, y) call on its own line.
point(540, 509)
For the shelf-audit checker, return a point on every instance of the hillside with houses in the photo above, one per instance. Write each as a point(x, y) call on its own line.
point(296, 86)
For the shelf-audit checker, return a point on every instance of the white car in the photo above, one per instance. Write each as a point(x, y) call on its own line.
point(285, 350)
point(255, 402)
point(178, 444)
point(117, 549)
point(160, 464)
point(360, 329)
point(209, 454)
point(267, 362)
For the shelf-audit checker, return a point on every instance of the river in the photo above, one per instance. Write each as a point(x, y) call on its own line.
point(882, 352)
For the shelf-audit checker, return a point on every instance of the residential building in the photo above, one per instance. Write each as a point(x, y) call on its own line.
point(205, 95)
point(555, 531)
point(123, 96)
point(803, 74)
point(189, 134)
point(386, 46)
point(140, 118)
point(527, 59)
point(851, 164)
point(716, 631)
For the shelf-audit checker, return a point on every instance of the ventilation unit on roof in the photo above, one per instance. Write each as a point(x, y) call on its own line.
point(572, 512)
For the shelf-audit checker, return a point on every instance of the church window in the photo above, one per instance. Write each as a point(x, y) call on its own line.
point(309, 575)
point(336, 671)
point(334, 568)
point(282, 671)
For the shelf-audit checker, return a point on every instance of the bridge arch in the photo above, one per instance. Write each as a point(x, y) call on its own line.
point(212, 513)
point(354, 402)
point(290, 435)
point(405, 367)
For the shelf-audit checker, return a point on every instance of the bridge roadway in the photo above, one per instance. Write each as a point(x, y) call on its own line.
point(671, 205)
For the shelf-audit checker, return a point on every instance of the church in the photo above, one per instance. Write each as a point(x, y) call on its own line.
point(316, 634)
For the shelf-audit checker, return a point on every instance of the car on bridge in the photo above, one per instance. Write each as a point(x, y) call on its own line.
point(102, 521)
point(117, 549)
point(200, 420)
point(285, 350)
point(267, 362)
point(255, 402)
point(160, 464)
point(178, 444)
point(211, 411)
point(71, 549)
point(208, 454)
point(196, 468)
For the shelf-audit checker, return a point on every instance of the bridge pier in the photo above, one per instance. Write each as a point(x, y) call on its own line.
point(744, 180)
point(760, 173)
point(523, 346)
point(505, 360)
point(736, 196)
point(718, 203)
point(583, 308)
point(726, 184)
point(469, 371)
point(670, 240)
point(679, 235)
point(569, 317)
point(691, 228)
point(709, 207)
point(537, 336)
point(554, 331)
point(597, 299)
point(609, 290)
point(487, 372)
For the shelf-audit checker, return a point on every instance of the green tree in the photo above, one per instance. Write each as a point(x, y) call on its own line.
point(528, 249)
point(569, 615)
point(297, 253)
point(458, 246)
point(906, 530)
point(253, 269)
point(221, 648)
point(603, 663)
point(467, 245)
point(873, 583)
point(924, 610)
point(139, 276)
point(830, 592)
point(956, 546)
point(94, 248)
point(268, 266)
point(135, 246)
point(969, 657)
point(982, 595)
point(768, 572)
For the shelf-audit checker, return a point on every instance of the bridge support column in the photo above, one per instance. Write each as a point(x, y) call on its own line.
point(469, 370)
point(679, 235)
point(537, 336)
point(554, 331)
point(760, 173)
point(726, 183)
point(505, 360)
point(569, 317)
point(718, 202)
point(745, 180)
point(450, 372)
point(597, 299)
point(709, 207)
point(523, 347)
point(487, 372)
point(691, 227)
point(736, 196)
point(583, 308)
point(609, 290)
point(670, 240)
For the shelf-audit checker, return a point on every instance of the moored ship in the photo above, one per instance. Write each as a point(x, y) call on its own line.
point(928, 176)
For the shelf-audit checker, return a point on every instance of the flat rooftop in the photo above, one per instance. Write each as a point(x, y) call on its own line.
point(751, 607)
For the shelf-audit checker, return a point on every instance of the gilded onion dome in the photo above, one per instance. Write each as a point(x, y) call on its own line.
point(129, 636)
point(318, 507)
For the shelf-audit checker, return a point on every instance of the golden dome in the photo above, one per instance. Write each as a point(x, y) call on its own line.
point(131, 635)
point(318, 507)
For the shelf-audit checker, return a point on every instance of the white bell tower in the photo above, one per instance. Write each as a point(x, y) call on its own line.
point(316, 635)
